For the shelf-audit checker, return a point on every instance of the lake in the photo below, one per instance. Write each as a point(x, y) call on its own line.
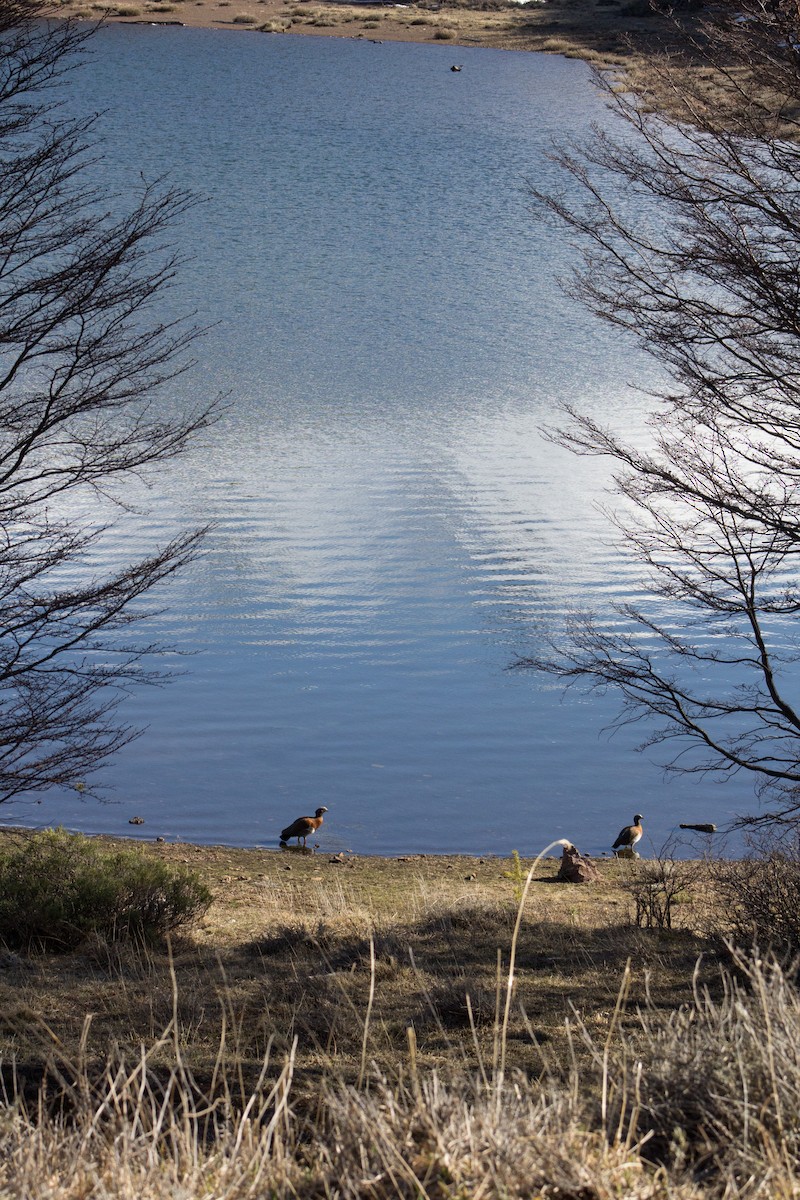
point(390, 528)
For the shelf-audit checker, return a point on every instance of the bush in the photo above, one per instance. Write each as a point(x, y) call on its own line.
point(57, 888)
point(714, 1088)
point(659, 885)
point(760, 897)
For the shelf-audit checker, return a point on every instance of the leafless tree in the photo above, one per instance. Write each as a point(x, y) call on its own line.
point(688, 220)
point(84, 361)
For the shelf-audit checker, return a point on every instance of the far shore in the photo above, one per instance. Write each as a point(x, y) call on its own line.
point(612, 31)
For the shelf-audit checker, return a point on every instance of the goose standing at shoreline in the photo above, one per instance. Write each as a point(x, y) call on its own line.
point(630, 835)
point(303, 827)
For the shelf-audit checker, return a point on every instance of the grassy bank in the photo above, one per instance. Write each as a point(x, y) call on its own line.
point(422, 1027)
point(336, 1025)
point(293, 944)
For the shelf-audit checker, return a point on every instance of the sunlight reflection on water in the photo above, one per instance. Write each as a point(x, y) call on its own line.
point(390, 528)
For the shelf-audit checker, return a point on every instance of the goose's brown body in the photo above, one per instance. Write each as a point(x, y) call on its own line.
point(303, 827)
point(630, 835)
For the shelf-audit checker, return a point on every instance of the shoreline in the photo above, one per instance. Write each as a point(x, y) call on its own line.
point(256, 856)
point(172, 847)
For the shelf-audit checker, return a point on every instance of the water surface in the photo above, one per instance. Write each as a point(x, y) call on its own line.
point(390, 528)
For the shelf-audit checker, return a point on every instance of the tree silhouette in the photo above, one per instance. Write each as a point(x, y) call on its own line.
point(84, 364)
point(689, 228)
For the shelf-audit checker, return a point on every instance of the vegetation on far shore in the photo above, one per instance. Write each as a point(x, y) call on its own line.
point(601, 31)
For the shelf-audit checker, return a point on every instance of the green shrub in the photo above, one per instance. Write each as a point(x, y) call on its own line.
point(516, 875)
point(57, 888)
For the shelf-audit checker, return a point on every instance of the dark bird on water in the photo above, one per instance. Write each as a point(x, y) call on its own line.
point(455, 68)
point(303, 827)
point(630, 835)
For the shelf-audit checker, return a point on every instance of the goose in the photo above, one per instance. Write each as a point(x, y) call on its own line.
point(630, 835)
point(303, 827)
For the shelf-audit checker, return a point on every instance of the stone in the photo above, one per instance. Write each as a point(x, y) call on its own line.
point(576, 868)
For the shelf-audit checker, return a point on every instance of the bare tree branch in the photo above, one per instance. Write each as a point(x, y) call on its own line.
point(85, 363)
point(688, 223)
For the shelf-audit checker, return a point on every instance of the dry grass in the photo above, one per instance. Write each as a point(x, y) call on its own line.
point(291, 942)
point(374, 1028)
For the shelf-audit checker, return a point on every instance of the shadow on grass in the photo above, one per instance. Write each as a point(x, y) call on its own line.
point(328, 995)
point(424, 970)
